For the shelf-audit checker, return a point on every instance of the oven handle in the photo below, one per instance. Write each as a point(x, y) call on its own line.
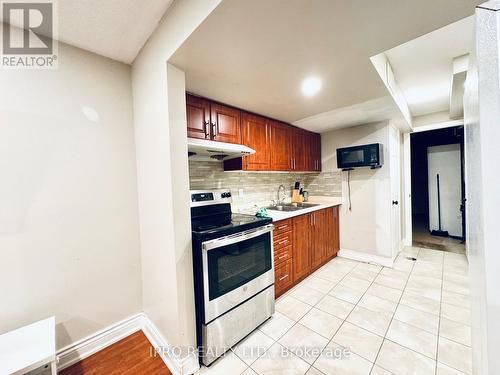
point(237, 237)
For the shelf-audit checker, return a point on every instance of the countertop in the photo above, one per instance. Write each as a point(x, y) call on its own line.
point(323, 202)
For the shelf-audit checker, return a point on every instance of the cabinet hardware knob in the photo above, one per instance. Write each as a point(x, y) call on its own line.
point(395, 202)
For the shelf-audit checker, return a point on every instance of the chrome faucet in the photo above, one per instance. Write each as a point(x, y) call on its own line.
point(281, 199)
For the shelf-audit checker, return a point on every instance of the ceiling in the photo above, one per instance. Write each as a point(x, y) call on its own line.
point(254, 54)
point(113, 28)
point(423, 67)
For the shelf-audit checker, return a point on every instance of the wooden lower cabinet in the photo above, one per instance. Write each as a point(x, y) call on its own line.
point(283, 277)
point(283, 256)
point(302, 244)
point(319, 227)
point(332, 232)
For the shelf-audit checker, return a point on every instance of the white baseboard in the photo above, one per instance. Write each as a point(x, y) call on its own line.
point(402, 246)
point(178, 365)
point(87, 346)
point(365, 257)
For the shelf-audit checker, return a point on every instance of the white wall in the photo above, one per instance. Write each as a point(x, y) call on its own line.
point(367, 227)
point(160, 136)
point(482, 132)
point(445, 161)
point(69, 239)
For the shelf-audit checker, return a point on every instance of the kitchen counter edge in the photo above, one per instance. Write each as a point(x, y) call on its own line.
point(278, 216)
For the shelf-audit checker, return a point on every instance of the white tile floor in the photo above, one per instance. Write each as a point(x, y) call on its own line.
point(410, 319)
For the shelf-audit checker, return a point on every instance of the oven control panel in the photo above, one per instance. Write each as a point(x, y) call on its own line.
point(208, 197)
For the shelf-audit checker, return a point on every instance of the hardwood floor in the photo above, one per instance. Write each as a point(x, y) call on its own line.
point(132, 355)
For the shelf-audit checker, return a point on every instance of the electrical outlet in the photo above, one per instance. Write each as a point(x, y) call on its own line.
point(240, 193)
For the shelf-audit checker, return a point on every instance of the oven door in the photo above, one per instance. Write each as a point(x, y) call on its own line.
point(235, 268)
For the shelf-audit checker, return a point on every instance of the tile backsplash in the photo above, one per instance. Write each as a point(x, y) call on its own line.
point(259, 188)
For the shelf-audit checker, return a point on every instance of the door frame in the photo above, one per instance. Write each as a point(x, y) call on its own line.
point(407, 212)
point(395, 144)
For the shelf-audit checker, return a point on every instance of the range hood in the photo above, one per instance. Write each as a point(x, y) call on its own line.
point(205, 150)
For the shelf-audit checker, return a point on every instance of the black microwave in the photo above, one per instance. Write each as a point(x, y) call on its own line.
point(360, 156)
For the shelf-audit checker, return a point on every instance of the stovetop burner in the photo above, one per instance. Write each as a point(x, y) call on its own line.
point(221, 222)
point(211, 215)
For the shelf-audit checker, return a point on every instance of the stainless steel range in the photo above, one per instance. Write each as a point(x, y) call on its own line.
point(233, 272)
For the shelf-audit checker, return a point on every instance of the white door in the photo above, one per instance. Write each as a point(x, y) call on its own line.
point(395, 168)
point(445, 162)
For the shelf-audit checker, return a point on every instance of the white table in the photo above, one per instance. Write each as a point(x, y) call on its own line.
point(28, 348)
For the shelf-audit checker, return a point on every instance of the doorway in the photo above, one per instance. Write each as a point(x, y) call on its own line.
point(438, 189)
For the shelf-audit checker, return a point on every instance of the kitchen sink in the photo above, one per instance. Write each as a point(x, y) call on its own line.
point(287, 207)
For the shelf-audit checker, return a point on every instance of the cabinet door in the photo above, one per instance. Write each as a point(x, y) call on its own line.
point(225, 123)
point(299, 150)
point(318, 238)
point(336, 229)
point(256, 134)
point(315, 142)
point(281, 147)
point(301, 246)
point(198, 117)
point(309, 152)
point(332, 232)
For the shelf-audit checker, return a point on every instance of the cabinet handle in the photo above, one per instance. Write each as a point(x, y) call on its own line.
point(282, 278)
point(214, 130)
point(283, 226)
point(283, 256)
point(205, 129)
point(282, 242)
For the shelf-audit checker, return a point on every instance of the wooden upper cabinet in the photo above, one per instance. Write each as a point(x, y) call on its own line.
point(198, 117)
point(225, 123)
point(308, 151)
point(281, 146)
point(312, 151)
point(256, 133)
point(301, 246)
point(299, 152)
point(278, 146)
point(315, 145)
